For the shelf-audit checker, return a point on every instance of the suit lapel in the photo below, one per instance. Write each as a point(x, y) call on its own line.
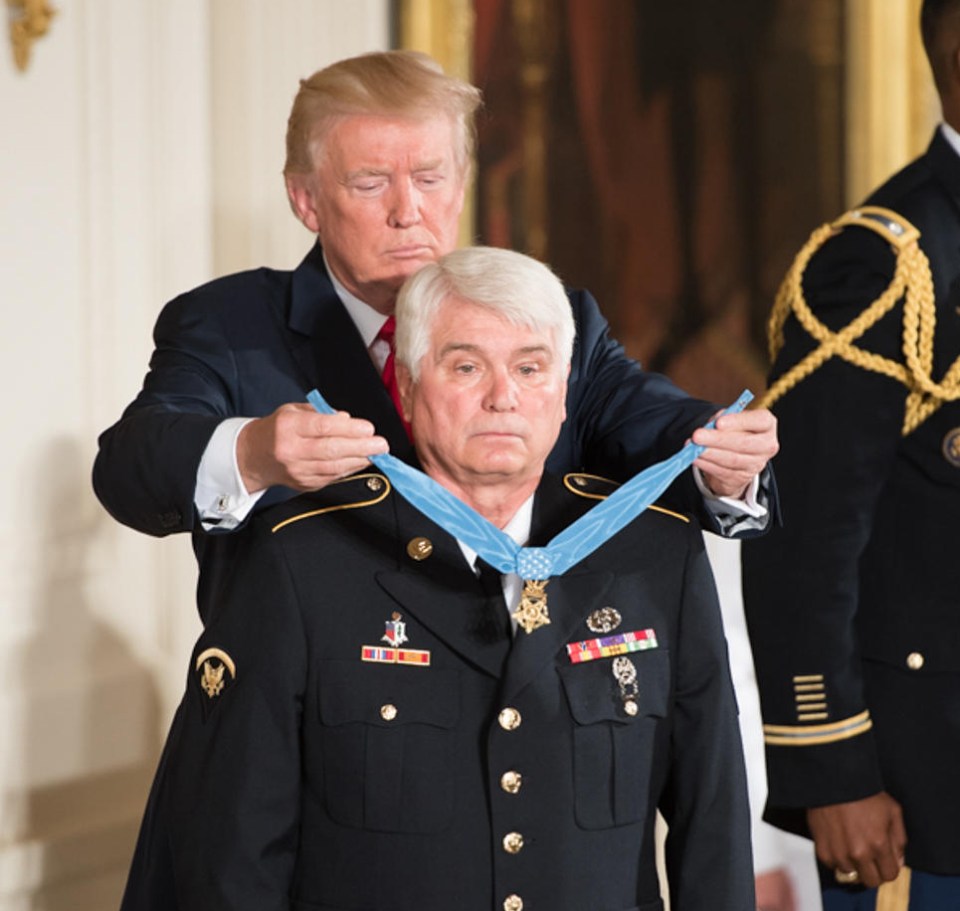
point(443, 593)
point(570, 597)
point(445, 596)
point(332, 357)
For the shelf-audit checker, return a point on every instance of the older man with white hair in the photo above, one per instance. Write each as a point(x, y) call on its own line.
point(372, 721)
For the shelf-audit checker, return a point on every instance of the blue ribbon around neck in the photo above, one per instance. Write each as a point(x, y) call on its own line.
point(569, 547)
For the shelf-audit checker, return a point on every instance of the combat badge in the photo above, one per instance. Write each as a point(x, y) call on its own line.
point(531, 613)
point(605, 620)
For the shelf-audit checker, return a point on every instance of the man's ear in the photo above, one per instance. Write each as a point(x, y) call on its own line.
point(301, 191)
point(405, 386)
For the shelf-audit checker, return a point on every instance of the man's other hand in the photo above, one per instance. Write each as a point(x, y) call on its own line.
point(864, 836)
point(738, 449)
point(302, 449)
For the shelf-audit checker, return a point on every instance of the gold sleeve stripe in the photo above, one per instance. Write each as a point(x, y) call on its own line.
point(808, 678)
point(808, 688)
point(812, 735)
point(319, 512)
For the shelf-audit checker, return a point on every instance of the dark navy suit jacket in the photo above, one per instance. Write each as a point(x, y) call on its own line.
point(245, 344)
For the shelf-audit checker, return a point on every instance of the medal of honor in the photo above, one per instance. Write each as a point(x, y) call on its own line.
point(532, 613)
point(535, 565)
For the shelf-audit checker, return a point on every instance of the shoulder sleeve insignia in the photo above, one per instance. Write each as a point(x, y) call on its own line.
point(215, 672)
point(353, 492)
point(591, 486)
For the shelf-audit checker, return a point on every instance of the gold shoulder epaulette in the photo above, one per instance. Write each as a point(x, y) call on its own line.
point(351, 492)
point(890, 225)
point(593, 487)
point(911, 283)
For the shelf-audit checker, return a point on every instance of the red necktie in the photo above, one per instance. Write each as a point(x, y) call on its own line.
point(387, 332)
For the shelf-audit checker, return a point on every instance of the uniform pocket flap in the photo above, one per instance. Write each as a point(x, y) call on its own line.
point(594, 694)
point(387, 696)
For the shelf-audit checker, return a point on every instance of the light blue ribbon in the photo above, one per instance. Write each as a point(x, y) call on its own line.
point(569, 547)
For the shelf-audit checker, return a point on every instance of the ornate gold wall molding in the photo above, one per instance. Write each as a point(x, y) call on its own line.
point(891, 104)
point(29, 20)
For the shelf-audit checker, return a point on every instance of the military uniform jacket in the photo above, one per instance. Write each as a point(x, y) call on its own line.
point(854, 605)
point(500, 775)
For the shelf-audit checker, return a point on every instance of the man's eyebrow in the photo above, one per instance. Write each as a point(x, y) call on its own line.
point(432, 165)
point(365, 172)
point(471, 346)
point(457, 346)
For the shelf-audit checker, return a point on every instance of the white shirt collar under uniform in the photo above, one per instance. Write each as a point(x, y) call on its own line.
point(951, 135)
point(518, 528)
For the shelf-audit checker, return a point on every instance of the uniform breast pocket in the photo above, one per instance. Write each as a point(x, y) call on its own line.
point(387, 745)
point(612, 750)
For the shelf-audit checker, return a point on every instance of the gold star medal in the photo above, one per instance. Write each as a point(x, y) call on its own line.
point(532, 613)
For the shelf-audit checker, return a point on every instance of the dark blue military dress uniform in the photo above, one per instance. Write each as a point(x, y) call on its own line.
point(854, 605)
point(361, 733)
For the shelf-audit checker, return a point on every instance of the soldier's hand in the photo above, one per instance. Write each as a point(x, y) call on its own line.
point(864, 836)
point(738, 449)
point(300, 448)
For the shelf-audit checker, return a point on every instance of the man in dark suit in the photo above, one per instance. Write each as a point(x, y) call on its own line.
point(364, 727)
point(378, 160)
point(852, 606)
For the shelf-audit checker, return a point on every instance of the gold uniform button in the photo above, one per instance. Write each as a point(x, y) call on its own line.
point(388, 712)
point(511, 782)
point(419, 548)
point(915, 661)
point(513, 842)
point(513, 903)
point(509, 719)
point(374, 484)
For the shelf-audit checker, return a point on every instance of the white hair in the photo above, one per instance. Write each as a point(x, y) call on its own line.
point(518, 287)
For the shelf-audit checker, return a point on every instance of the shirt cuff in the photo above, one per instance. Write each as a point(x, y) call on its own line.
point(220, 497)
point(748, 505)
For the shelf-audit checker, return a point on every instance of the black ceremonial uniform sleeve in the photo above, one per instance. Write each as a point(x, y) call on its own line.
point(235, 769)
point(706, 795)
point(839, 432)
